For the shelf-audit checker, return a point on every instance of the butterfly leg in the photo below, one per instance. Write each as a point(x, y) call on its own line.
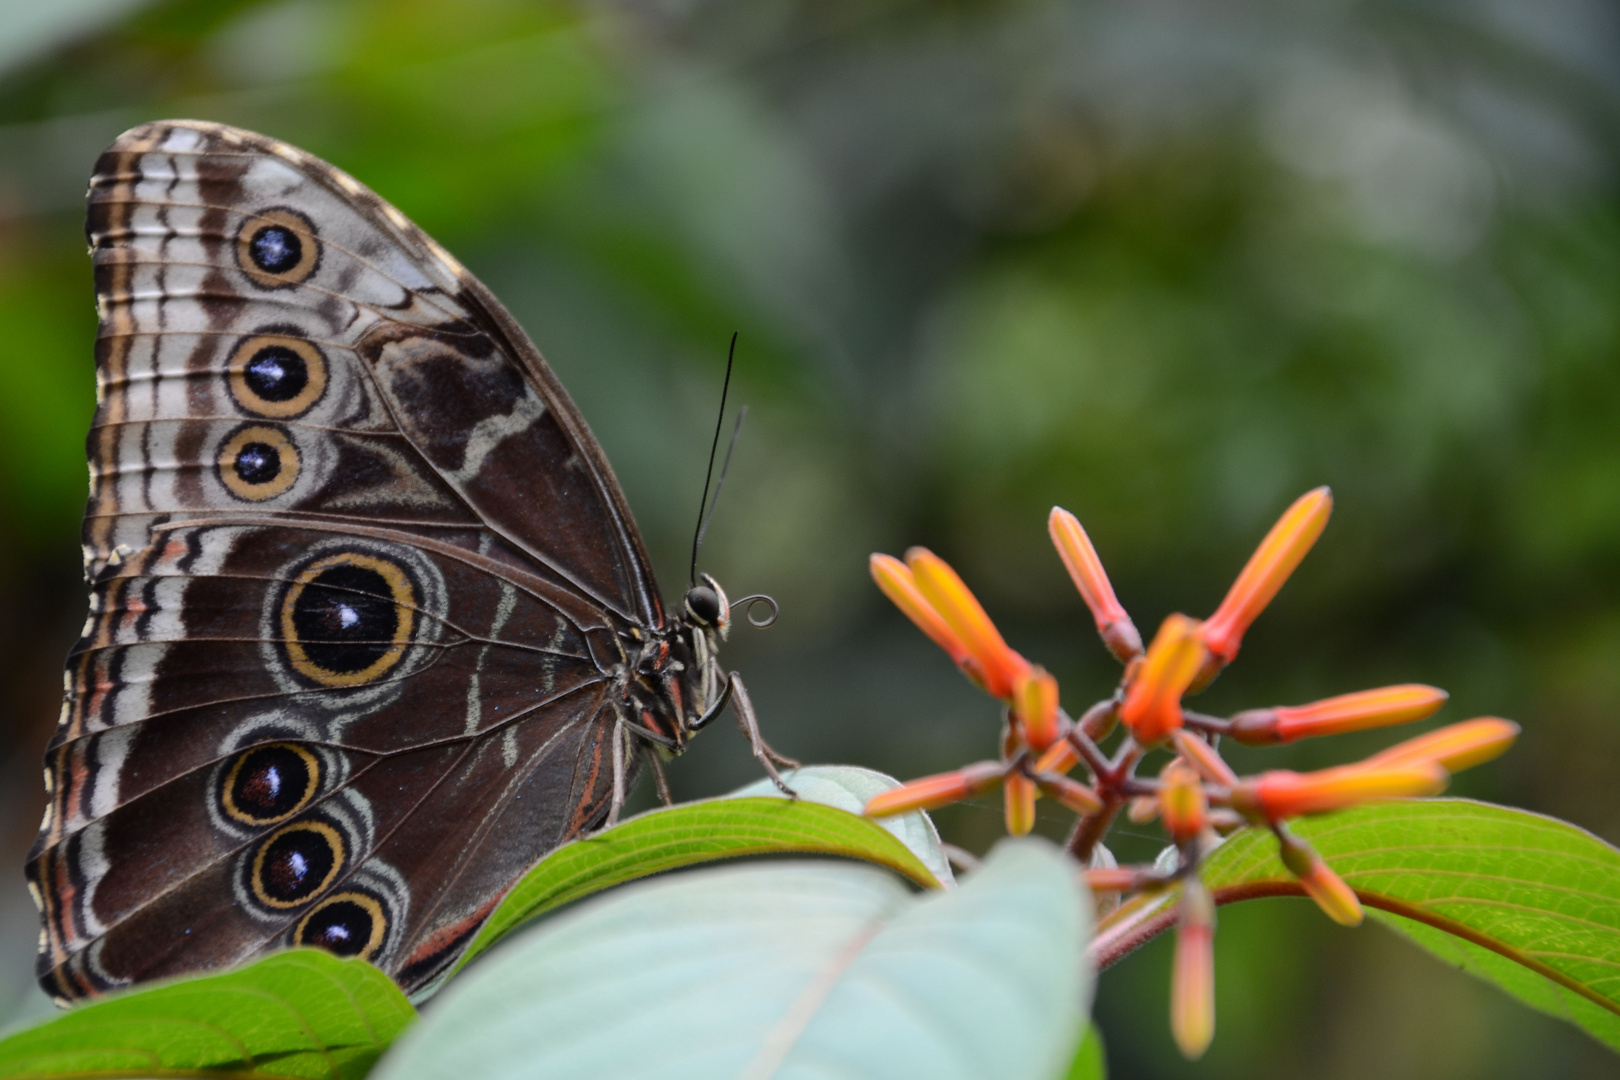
point(748, 721)
point(657, 764)
point(619, 737)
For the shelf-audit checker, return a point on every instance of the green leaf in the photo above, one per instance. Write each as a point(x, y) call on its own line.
point(295, 1014)
point(1089, 1061)
point(787, 969)
point(1527, 902)
point(850, 787)
point(687, 835)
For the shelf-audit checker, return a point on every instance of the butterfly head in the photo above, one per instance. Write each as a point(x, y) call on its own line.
point(706, 606)
point(695, 686)
point(697, 632)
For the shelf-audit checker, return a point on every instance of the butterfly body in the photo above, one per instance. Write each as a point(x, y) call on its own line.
point(371, 626)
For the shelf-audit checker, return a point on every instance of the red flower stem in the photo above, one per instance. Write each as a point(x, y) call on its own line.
point(1123, 765)
point(1212, 724)
point(1111, 781)
point(1089, 830)
point(1089, 752)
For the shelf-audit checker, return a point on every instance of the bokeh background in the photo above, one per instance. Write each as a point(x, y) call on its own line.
point(1167, 264)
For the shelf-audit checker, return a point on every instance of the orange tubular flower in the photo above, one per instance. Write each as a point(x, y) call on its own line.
point(1277, 795)
point(1182, 804)
point(1035, 703)
point(1152, 707)
point(932, 792)
point(1074, 548)
point(1019, 795)
point(946, 594)
point(1059, 758)
point(1276, 557)
point(1110, 879)
point(1071, 793)
point(1455, 747)
point(1202, 756)
point(1339, 715)
point(895, 579)
point(1192, 978)
point(1336, 899)
point(1142, 809)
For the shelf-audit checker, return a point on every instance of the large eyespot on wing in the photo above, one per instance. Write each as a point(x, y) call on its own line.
point(347, 618)
point(277, 247)
point(295, 864)
point(350, 923)
point(266, 785)
point(277, 375)
point(258, 462)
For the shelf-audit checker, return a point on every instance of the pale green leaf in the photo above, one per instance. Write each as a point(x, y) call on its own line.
point(784, 970)
point(850, 787)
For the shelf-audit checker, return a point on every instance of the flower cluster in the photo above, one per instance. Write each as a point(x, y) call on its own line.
point(1196, 796)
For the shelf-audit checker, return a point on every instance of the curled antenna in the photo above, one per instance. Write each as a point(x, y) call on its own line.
point(747, 604)
point(704, 510)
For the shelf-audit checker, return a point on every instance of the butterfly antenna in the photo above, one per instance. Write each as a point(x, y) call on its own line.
point(725, 467)
point(719, 424)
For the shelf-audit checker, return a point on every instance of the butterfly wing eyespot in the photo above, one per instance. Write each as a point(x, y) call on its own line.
point(277, 248)
point(258, 462)
point(279, 376)
point(295, 864)
point(349, 923)
point(347, 619)
point(269, 784)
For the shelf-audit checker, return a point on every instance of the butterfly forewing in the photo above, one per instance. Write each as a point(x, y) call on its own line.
point(369, 375)
point(359, 578)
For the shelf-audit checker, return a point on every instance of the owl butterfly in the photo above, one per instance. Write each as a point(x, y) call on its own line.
point(371, 628)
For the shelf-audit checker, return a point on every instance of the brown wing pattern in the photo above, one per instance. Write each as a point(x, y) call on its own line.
point(358, 575)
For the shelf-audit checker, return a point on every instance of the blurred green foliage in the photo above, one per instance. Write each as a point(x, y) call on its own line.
point(1166, 265)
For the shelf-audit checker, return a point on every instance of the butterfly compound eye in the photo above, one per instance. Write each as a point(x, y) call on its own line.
point(704, 604)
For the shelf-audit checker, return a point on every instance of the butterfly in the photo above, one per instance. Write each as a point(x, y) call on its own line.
point(371, 627)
